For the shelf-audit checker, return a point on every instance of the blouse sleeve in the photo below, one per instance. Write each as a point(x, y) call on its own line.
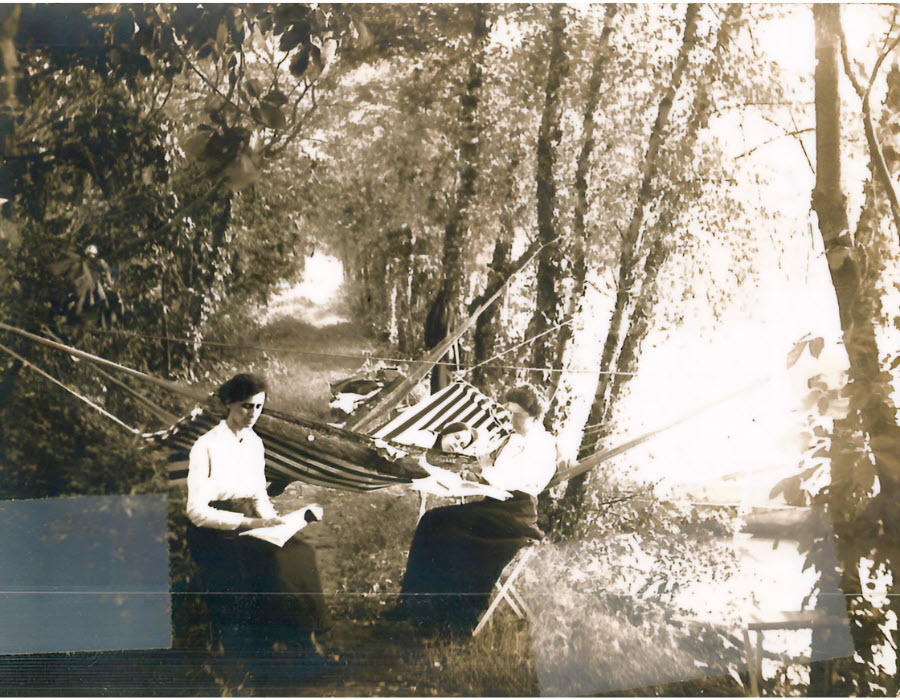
point(198, 498)
point(261, 502)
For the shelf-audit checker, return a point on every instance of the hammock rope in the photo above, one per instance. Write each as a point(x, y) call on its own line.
point(81, 354)
point(598, 458)
point(46, 375)
point(165, 416)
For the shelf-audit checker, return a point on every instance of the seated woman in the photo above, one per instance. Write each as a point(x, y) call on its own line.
point(227, 495)
point(458, 552)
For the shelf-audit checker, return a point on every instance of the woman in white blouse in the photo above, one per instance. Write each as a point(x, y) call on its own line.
point(458, 552)
point(226, 496)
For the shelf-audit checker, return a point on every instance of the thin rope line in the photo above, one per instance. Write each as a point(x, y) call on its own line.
point(524, 342)
point(398, 360)
point(74, 393)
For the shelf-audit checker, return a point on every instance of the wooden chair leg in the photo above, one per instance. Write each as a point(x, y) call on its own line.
point(510, 599)
point(750, 653)
point(423, 498)
point(515, 594)
point(502, 592)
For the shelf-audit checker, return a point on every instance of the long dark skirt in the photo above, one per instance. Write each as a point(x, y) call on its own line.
point(457, 555)
point(258, 594)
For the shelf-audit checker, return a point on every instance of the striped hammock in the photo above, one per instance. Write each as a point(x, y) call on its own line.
point(458, 402)
point(302, 450)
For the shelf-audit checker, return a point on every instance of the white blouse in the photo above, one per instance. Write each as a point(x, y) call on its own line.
point(224, 466)
point(525, 463)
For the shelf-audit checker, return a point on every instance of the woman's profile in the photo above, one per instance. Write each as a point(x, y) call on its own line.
point(227, 496)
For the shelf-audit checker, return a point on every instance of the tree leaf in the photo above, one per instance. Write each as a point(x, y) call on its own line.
point(272, 116)
point(300, 62)
point(795, 353)
point(815, 346)
point(276, 97)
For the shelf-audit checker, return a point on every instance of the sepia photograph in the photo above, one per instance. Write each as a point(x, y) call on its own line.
point(464, 349)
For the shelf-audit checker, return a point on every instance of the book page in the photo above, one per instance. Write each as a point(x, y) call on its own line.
point(293, 523)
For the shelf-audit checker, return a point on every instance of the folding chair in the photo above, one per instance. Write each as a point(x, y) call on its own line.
point(506, 590)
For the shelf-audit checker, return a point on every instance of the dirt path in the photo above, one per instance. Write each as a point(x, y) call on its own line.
point(361, 543)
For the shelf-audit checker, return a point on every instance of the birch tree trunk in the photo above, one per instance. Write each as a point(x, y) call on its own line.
point(580, 234)
point(657, 243)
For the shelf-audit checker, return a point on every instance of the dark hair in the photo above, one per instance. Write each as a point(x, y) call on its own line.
point(241, 387)
point(457, 427)
point(527, 398)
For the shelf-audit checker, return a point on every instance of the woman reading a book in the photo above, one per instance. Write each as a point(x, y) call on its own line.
point(227, 497)
point(458, 552)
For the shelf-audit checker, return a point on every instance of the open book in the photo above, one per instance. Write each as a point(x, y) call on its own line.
point(447, 484)
point(293, 523)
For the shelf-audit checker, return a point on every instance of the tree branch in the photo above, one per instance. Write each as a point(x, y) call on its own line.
point(796, 132)
point(875, 152)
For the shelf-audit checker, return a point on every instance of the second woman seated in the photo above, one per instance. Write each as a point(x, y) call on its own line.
point(458, 552)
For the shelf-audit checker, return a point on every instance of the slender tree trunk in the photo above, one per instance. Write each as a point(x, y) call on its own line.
point(580, 232)
point(486, 331)
point(9, 26)
point(403, 262)
point(629, 265)
point(9, 64)
point(164, 318)
point(485, 336)
point(456, 232)
point(659, 248)
point(548, 296)
point(629, 257)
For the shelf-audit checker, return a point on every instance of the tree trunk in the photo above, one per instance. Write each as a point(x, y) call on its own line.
point(485, 336)
point(456, 232)
point(9, 64)
point(855, 267)
point(629, 263)
point(659, 248)
point(548, 299)
point(631, 247)
point(403, 265)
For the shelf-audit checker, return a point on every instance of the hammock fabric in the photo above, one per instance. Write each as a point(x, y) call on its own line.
point(302, 450)
point(458, 402)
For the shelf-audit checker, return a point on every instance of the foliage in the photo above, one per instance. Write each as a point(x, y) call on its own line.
point(135, 161)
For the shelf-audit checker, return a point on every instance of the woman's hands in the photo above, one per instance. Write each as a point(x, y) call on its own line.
point(474, 473)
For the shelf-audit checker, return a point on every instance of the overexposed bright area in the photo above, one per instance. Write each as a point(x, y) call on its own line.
point(311, 299)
